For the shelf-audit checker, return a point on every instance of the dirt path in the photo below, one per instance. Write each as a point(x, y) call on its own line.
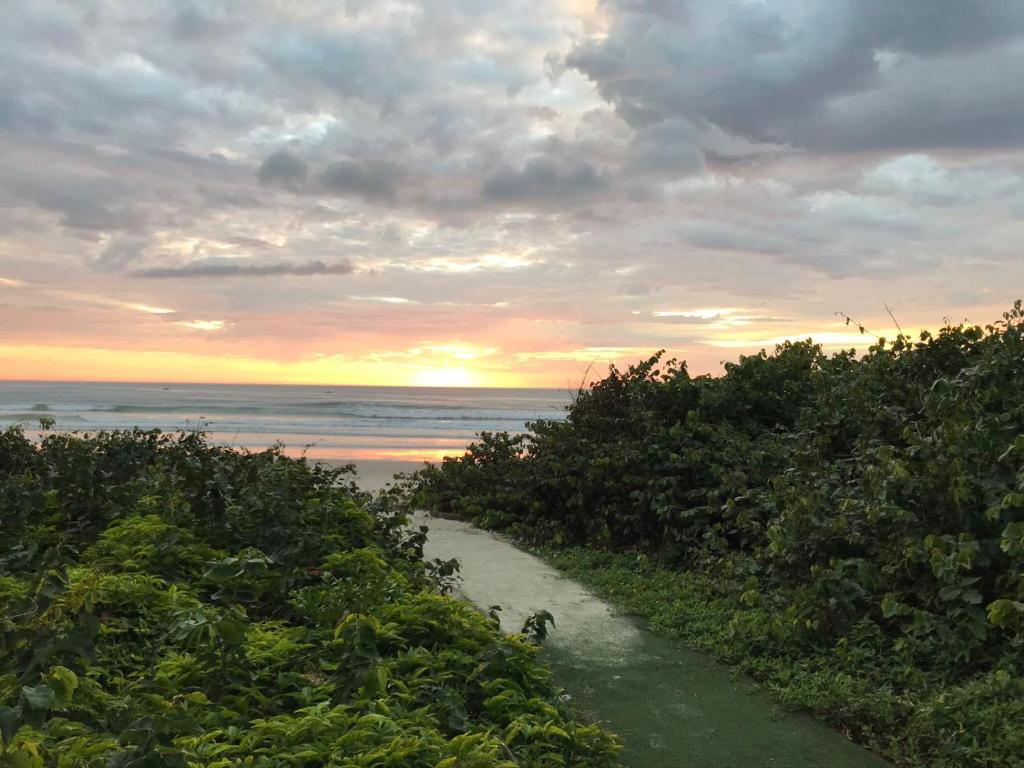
point(675, 708)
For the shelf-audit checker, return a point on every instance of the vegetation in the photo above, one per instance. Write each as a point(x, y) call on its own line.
point(165, 603)
point(850, 530)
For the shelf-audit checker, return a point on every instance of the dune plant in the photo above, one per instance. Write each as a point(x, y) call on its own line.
point(849, 528)
point(166, 603)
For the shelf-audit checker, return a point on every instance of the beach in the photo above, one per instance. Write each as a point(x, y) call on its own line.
point(383, 429)
point(376, 474)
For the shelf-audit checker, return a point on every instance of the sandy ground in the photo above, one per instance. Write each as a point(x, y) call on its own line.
point(674, 707)
point(375, 474)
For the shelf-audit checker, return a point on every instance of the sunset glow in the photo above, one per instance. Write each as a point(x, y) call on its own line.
point(296, 294)
point(51, 363)
point(487, 194)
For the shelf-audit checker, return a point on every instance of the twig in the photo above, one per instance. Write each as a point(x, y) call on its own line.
point(508, 752)
point(849, 320)
point(29, 612)
point(897, 322)
point(583, 382)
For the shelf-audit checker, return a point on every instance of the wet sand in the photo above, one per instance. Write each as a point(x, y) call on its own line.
point(674, 707)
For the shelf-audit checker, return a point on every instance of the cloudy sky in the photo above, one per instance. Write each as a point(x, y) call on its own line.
point(496, 193)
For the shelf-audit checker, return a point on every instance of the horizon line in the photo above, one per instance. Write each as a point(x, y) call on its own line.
point(155, 382)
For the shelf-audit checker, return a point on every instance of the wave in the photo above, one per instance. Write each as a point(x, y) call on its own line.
point(190, 408)
point(34, 416)
point(403, 413)
point(342, 422)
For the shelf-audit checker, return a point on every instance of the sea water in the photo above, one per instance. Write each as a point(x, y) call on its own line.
point(325, 422)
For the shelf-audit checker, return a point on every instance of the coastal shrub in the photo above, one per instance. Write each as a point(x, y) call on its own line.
point(166, 603)
point(860, 519)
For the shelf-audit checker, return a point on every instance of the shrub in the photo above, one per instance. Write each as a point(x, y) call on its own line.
point(876, 503)
point(167, 603)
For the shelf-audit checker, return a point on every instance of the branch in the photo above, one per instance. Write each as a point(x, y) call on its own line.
point(849, 320)
point(902, 334)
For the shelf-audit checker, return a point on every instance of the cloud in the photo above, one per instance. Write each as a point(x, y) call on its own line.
point(384, 299)
point(83, 201)
point(284, 169)
point(368, 67)
point(822, 74)
point(720, 236)
point(724, 317)
point(584, 165)
point(921, 179)
point(541, 112)
point(586, 354)
point(670, 146)
point(202, 325)
point(212, 267)
point(372, 180)
point(105, 301)
point(544, 180)
point(146, 308)
point(120, 252)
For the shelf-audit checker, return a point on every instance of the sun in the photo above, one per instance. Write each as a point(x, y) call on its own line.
point(444, 377)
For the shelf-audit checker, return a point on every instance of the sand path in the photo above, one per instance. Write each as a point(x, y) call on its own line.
point(675, 708)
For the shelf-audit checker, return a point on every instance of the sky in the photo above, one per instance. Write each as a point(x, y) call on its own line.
point(496, 192)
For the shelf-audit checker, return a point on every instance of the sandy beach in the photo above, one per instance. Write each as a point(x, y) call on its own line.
point(375, 474)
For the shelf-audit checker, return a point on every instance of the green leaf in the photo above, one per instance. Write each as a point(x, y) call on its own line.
point(25, 756)
point(1003, 612)
point(232, 631)
point(971, 596)
point(224, 571)
point(1012, 541)
point(890, 606)
point(10, 721)
point(950, 593)
point(63, 682)
point(38, 697)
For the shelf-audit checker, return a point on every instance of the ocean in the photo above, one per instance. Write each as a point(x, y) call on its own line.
point(324, 422)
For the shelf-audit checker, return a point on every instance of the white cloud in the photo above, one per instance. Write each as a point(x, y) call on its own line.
point(203, 325)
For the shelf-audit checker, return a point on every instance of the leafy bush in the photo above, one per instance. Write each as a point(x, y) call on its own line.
point(844, 509)
point(167, 603)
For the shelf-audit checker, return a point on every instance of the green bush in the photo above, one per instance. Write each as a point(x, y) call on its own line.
point(847, 509)
point(166, 603)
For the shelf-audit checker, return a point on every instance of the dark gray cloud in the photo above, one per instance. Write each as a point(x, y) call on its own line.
point(373, 180)
point(822, 74)
point(211, 267)
point(544, 180)
point(671, 146)
point(284, 169)
point(83, 201)
point(723, 237)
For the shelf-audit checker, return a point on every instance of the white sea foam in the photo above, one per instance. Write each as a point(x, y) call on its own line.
point(328, 422)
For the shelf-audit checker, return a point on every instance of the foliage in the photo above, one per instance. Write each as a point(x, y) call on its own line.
point(858, 521)
point(166, 603)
